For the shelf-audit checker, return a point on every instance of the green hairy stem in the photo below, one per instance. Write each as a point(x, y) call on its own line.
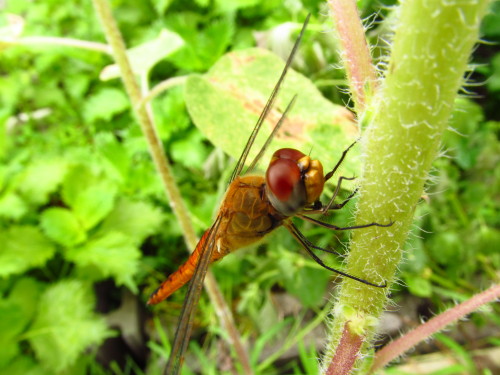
point(404, 122)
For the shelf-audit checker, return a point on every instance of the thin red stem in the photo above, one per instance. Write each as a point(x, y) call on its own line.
point(436, 324)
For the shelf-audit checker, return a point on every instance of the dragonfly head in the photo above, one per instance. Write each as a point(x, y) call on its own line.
point(293, 180)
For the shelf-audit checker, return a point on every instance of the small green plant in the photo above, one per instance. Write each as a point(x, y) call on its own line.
point(81, 202)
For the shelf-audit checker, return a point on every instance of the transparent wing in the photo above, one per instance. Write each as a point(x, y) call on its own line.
point(183, 332)
point(271, 136)
point(267, 108)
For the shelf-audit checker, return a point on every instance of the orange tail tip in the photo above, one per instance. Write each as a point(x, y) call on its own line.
point(174, 281)
point(156, 296)
point(179, 277)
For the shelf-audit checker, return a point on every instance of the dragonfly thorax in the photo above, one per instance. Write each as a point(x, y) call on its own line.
point(293, 180)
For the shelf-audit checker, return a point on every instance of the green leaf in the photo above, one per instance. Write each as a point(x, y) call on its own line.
point(17, 312)
point(419, 286)
point(490, 27)
point(226, 103)
point(308, 358)
point(114, 155)
point(306, 283)
point(447, 247)
point(145, 56)
point(90, 196)
point(25, 294)
point(191, 150)
point(488, 240)
point(94, 203)
point(4, 116)
point(10, 327)
point(137, 220)
point(170, 110)
point(113, 254)
point(78, 179)
point(77, 85)
point(3, 176)
point(161, 6)
point(24, 365)
point(105, 104)
point(66, 325)
point(465, 121)
point(61, 225)
point(232, 5)
point(494, 80)
point(41, 178)
point(23, 247)
point(204, 44)
point(12, 206)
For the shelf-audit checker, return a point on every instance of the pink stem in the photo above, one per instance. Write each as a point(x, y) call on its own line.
point(412, 338)
point(354, 50)
point(346, 354)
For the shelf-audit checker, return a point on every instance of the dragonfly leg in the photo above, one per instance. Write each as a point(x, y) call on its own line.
point(332, 172)
point(311, 245)
point(330, 205)
point(338, 206)
point(319, 208)
point(334, 227)
point(305, 244)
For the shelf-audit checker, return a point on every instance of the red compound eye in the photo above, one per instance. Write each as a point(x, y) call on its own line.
point(284, 181)
point(282, 177)
point(288, 153)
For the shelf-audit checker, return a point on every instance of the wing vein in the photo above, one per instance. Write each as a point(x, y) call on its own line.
point(183, 332)
point(268, 106)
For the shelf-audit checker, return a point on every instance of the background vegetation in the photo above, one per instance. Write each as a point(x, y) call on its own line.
point(86, 232)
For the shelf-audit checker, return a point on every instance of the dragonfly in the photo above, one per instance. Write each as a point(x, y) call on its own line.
point(254, 206)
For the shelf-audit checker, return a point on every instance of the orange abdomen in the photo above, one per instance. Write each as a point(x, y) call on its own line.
point(246, 217)
point(181, 276)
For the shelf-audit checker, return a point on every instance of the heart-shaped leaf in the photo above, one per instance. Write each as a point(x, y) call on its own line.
point(226, 102)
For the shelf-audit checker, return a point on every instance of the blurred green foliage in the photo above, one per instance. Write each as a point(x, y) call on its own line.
point(81, 204)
